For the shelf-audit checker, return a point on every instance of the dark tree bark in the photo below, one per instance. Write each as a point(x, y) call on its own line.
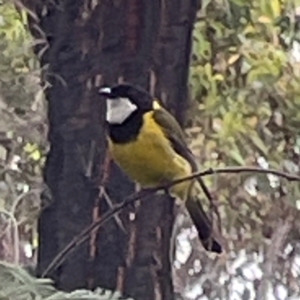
point(90, 43)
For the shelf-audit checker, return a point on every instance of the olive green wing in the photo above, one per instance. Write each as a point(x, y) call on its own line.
point(175, 134)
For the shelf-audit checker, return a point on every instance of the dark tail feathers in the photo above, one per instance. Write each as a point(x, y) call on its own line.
point(203, 225)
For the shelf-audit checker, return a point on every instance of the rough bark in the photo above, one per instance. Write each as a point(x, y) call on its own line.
point(92, 43)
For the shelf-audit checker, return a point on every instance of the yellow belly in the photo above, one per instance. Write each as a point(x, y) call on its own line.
point(150, 159)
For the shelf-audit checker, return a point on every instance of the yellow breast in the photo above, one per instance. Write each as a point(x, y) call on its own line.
point(150, 159)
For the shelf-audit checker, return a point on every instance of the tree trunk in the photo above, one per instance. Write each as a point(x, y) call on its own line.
point(90, 43)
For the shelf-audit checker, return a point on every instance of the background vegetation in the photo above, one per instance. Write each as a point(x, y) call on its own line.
point(245, 100)
point(23, 129)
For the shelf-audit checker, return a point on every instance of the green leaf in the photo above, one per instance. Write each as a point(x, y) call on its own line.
point(257, 141)
point(236, 156)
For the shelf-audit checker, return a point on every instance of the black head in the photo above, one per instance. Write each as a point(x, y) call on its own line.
point(125, 108)
point(136, 95)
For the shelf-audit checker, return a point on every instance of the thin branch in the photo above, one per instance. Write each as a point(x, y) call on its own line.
point(83, 236)
point(16, 251)
point(80, 238)
point(111, 206)
point(277, 241)
point(227, 170)
point(213, 207)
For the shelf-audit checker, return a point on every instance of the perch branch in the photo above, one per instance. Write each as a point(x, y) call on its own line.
point(81, 237)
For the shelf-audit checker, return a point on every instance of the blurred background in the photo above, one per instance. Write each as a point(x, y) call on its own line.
point(244, 109)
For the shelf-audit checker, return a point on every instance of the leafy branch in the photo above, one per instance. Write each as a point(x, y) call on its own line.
point(80, 238)
point(17, 283)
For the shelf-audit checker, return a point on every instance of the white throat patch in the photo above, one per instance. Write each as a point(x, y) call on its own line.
point(118, 110)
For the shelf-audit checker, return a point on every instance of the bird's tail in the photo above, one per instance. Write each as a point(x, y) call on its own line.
point(203, 225)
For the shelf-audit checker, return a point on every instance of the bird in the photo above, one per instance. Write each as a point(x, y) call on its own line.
point(149, 145)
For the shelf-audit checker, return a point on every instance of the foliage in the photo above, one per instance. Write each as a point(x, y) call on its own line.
point(17, 284)
point(245, 81)
point(245, 90)
point(22, 135)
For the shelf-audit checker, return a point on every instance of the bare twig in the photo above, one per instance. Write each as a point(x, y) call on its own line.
point(226, 170)
point(16, 251)
point(277, 241)
point(111, 206)
point(96, 213)
point(79, 239)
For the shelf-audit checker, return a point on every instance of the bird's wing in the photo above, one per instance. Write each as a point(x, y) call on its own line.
point(175, 134)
